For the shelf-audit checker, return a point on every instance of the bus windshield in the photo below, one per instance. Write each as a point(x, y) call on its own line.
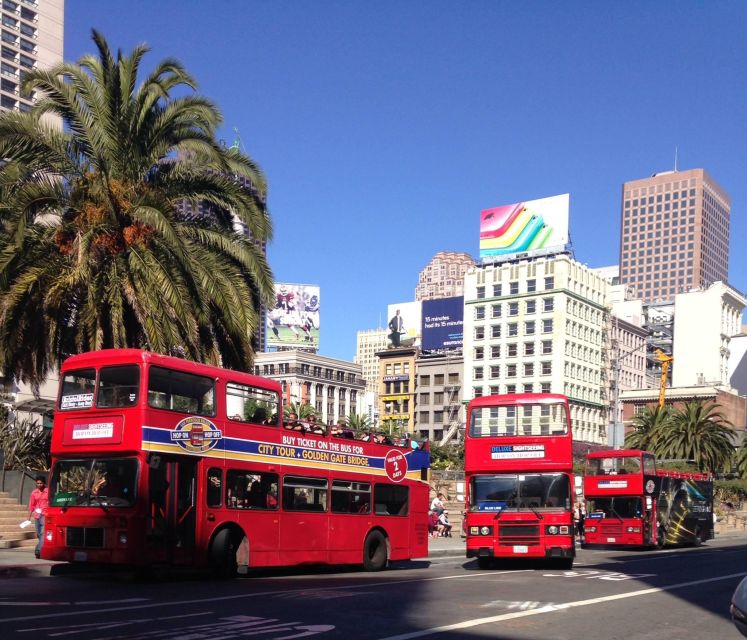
point(617, 507)
point(520, 491)
point(108, 482)
point(540, 419)
point(612, 466)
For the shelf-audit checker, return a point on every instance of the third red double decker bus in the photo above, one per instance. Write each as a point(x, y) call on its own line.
point(631, 502)
point(161, 461)
point(518, 466)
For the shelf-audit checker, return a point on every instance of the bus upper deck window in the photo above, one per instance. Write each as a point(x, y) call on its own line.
point(77, 389)
point(118, 386)
point(181, 391)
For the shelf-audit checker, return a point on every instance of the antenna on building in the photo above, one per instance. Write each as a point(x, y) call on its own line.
point(675, 157)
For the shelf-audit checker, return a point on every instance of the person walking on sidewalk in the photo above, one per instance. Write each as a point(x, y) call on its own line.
point(38, 511)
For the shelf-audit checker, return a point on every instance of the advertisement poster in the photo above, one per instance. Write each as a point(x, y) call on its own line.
point(524, 227)
point(294, 321)
point(404, 324)
point(443, 324)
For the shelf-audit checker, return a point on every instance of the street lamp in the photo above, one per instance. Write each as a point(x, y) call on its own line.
point(617, 367)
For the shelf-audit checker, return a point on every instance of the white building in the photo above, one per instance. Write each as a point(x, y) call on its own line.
point(333, 387)
point(32, 36)
point(704, 324)
point(540, 325)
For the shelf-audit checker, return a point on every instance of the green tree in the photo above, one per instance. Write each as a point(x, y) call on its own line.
point(96, 246)
point(741, 460)
point(647, 427)
point(698, 432)
point(359, 423)
point(25, 445)
point(301, 410)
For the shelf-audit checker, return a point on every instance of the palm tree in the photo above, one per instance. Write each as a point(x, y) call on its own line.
point(359, 423)
point(741, 459)
point(647, 427)
point(96, 248)
point(698, 432)
point(301, 410)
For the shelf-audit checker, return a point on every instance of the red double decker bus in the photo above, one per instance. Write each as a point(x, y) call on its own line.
point(630, 502)
point(161, 461)
point(518, 465)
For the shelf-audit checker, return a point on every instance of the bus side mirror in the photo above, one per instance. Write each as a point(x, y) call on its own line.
point(154, 462)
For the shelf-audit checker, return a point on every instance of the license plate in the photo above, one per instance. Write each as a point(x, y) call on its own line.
point(80, 556)
point(521, 548)
point(611, 539)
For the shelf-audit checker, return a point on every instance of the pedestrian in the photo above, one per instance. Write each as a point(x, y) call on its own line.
point(38, 504)
point(437, 504)
point(579, 517)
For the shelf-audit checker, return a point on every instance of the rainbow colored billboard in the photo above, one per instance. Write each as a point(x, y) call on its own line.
point(524, 227)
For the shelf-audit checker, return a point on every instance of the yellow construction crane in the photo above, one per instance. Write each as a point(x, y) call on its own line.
point(666, 361)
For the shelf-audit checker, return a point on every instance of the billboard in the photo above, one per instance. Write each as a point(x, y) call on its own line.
point(404, 324)
point(524, 227)
point(443, 323)
point(294, 321)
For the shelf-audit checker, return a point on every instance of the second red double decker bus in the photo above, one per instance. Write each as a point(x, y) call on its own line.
point(518, 468)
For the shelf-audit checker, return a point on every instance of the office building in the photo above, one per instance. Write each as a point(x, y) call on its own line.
point(397, 390)
point(333, 387)
point(368, 344)
point(440, 413)
point(674, 234)
point(32, 37)
point(443, 276)
point(540, 325)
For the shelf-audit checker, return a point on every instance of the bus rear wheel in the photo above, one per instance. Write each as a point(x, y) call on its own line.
point(223, 555)
point(375, 555)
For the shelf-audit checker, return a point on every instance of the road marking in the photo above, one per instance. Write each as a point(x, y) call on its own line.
point(551, 608)
point(68, 603)
point(244, 596)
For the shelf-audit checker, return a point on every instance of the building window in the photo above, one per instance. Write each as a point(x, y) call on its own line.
point(425, 380)
point(496, 290)
point(479, 353)
point(495, 351)
point(531, 285)
point(513, 329)
point(529, 388)
point(546, 347)
point(510, 388)
point(511, 371)
point(495, 331)
point(479, 333)
point(438, 417)
point(512, 350)
point(529, 348)
point(531, 306)
point(476, 392)
point(548, 304)
point(545, 387)
point(528, 369)
point(547, 368)
point(480, 313)
point(480, 293)
point(513, 308)
point(495, 371)
point(547, 326)
point(513, 288)
point(477, 373)
point(438, 380)
point(549, 282)
point(424, 399)
point(495, 311)
point(529, 328)
point(438, 398)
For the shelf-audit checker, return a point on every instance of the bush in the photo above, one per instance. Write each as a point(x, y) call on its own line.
point(25, 445)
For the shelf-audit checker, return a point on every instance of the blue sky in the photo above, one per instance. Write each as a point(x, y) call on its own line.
point(385, 127)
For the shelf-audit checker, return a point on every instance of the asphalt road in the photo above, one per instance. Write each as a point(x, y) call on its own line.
point(665, 595)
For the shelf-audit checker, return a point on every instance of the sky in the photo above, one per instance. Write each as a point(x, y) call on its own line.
point(384, 128)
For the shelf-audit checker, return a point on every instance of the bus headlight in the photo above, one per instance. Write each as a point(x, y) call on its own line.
point(591, 529)
point(474, 531)
point(634, 529)
point(485, 531)
point(122, 537)
point(552, 530)
point(564, 530)
point(480, 531)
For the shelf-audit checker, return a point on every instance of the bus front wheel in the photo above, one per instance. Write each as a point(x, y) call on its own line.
point(223, 555)
point(375, 552)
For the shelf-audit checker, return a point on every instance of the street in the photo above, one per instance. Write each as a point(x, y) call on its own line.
point(610, 594)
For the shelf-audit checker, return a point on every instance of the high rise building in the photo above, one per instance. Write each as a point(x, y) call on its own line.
point(443, 276)
point(674, 234)
point(369, 343)
point(32, 36)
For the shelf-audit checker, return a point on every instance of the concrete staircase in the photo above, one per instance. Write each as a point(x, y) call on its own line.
point(11, 515)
